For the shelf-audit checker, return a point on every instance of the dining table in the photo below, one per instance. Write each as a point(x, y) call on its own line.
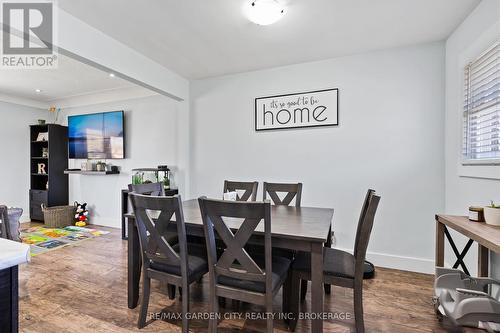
point(306, 229)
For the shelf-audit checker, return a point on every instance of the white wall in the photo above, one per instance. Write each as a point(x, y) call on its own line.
point(151, 139)
point(472, 37)
point(15, 148)
point(390, 138)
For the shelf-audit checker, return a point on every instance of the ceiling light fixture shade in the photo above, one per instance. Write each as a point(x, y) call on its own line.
point(264, 12)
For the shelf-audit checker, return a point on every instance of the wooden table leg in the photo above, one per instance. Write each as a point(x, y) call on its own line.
point(439, 244)
point(482, 261)
point(317, 286)
point(328, 287)
point(134, 264)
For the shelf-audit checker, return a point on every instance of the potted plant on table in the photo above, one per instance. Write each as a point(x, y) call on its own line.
point(492, 214)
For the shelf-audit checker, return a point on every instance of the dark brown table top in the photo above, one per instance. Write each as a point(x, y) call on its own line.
point(304, 223)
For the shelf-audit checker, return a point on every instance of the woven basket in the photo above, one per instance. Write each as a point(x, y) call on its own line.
point(58, 216)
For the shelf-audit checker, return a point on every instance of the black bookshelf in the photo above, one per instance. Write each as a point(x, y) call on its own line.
point(49, 188)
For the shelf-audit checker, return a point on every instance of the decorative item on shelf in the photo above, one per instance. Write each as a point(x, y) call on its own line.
point(41, 169)
point(476, 214)
point(84, 166)
point(82, 214)
point(137, 177)
point(492, 214)
point(100, 166)
point(42, 137)
point(56, 112)
point(90, 166)
point(164, 175)
point(45, 152)
point(41, 121)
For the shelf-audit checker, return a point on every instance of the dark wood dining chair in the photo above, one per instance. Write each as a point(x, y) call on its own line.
point(161, 260)
point(253, 279)
point(292, 191)
point(288, 192)
point(155, 189)
point(340, 268)
point(249, 190)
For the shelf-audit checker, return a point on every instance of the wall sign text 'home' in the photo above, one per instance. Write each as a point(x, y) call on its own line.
point(307, 109)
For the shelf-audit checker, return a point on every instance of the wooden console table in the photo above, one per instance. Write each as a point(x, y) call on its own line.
point(487, 237)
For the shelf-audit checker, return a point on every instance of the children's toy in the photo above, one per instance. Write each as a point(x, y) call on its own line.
point(465, 300)
point(81, 215)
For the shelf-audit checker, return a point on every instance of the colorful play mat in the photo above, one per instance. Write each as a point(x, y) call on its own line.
point(43, 239)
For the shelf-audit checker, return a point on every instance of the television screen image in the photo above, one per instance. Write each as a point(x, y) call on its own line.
point(96, 136)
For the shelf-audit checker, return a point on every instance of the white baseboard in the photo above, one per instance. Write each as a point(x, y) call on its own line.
point(106, 222)
point(411, 264)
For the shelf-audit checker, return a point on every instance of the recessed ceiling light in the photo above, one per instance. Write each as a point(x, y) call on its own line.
point(264, 12)
point(111, 75)
point(38, 91)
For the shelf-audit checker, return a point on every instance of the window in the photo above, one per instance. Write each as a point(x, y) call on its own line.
point(482, 108)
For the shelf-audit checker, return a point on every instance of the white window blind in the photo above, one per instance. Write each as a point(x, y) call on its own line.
point(482, 107)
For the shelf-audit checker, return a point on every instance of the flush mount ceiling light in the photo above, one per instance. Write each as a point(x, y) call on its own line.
point(111, 75)
point(264, 12)
point(38, 91)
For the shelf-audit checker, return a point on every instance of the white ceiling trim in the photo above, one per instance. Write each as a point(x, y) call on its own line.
point(100, 97)
point(23, 101)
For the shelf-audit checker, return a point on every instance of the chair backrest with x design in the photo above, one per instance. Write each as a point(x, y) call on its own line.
point(291, 190)
point(249, 189)
point(156, 247)
point(213, 213)
point(154, 189)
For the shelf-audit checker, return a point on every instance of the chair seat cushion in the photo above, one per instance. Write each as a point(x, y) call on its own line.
point(197, 263)
point(280, 267)
point(336, 263)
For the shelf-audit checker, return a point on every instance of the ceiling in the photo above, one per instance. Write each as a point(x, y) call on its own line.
point(200, 38)
point(70, 79)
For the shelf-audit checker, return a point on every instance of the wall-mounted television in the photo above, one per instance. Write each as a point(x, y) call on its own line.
point(97, 136)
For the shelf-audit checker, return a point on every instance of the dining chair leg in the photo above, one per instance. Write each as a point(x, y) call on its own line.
point(236, 305)
point(328, 289)
point(269, 309)
point(358, 306)
point(185, 309)
point(146, 286)
point(286, 294)
point(213, 306)
point(303, 290)
point(222, 302)
point(171, 291)
point(294, 302)
point(214, 310)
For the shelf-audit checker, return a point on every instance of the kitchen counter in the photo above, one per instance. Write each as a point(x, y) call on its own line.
point(12, 254)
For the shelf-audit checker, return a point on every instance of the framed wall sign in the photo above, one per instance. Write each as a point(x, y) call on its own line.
point(305, 109)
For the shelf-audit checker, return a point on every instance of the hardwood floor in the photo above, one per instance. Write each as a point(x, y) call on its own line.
point(83, 288)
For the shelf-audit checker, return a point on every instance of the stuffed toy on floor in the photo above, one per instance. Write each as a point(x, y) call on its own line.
point(81, 215)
